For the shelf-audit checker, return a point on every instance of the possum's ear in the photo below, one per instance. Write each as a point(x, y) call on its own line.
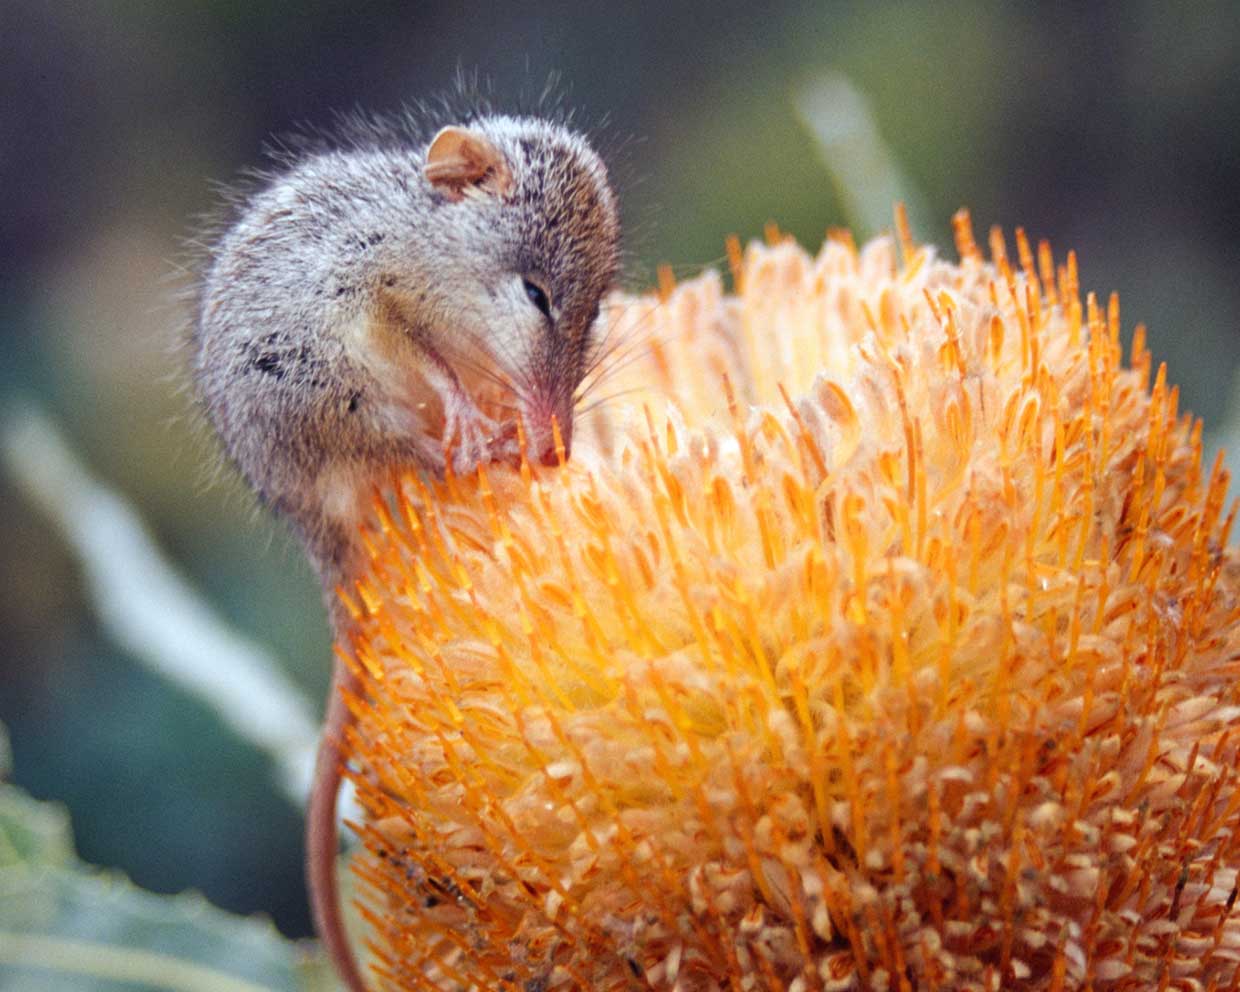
point(459, 160)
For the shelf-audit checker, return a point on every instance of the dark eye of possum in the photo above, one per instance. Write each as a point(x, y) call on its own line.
point(537, 297)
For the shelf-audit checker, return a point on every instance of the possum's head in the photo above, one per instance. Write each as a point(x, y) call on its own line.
point(524, 209)
point(378, 305)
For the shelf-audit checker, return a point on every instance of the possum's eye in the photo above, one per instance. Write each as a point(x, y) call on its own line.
point(537, 297)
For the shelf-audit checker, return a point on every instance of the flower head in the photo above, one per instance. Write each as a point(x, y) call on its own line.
point(885, 637)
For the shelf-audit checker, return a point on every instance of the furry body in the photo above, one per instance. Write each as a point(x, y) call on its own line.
point(392, 304)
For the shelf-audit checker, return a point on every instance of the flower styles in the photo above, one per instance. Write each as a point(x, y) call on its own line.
point(883, 636)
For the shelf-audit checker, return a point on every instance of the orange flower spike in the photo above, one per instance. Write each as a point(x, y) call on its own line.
point(1033, 305)
point(1025, 255)
point(754, 692)
point(998, 247)
point(1140, 360)
point(904, 234)
point(352, 607)
point(1071, 293)
point(1046, 269)
point(966, 247)
point(732, 247)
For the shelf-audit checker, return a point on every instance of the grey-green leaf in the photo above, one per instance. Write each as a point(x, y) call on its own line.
point(67, 927)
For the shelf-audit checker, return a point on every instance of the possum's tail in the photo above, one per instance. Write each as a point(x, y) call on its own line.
point(322, 841)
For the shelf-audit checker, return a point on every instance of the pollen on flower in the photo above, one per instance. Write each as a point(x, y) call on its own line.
point(884, 638)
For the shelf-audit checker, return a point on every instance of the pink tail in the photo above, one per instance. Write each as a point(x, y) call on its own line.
point(322, 841)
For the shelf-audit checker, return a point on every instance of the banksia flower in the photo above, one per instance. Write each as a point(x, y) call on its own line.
point(883, 638)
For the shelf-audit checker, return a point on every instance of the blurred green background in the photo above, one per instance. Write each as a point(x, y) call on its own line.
point(1111, 129)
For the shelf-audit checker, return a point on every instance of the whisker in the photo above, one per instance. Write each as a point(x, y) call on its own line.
point(602, 400)
point(501, 405)
point(489, 349)
point(609, 344)
point(490, 375)
point(603, 376)
point(509, 378)
point(460, 358)
point(681, 270)
point(619, 354)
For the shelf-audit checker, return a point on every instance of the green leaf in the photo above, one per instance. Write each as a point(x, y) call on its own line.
point(31, 833)
point(6, 753)
point(67, 927)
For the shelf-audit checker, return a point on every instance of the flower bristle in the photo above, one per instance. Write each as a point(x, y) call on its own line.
point(885, 640)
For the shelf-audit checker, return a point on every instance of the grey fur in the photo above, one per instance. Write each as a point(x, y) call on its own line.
point(352, 315)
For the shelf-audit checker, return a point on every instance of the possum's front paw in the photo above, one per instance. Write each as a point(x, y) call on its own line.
point(466, 441)
point(478, 440)
point(504, 445)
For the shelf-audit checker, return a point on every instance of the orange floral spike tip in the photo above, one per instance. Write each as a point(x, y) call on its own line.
point(885, 638)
